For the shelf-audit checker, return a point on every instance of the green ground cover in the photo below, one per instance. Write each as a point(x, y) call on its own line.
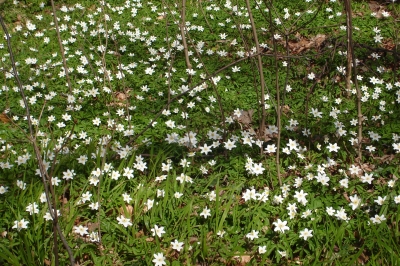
point(158, 158)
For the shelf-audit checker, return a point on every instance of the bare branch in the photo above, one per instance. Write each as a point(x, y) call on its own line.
point(182, 27)
point(260, 70)
point(352, 65)
point(32, 138)
point(61, 46)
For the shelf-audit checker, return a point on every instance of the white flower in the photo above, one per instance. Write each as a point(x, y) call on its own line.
point(159, 231)
point(205, 149)
point(21, 184)
point(316, 113)
point(124, 221)
point(177, 245)
point(149, 204)
point(333, 147)
point(206, 212)
point(367, 178)
point(177, 195)
point(282, 253)
point(149, 71)
point(221, 233)
point(262, 249)
point(330, 211)
point(229, 145)
point(252, 235)
point(170, 124)
point(397, 199)
point(184, 178)
point(378, 219)
point(82, 230)
point(270, 148)
point(3, 189)
point(341, 214)
point(306, 233)
point(94, 237)
point(32, 208)
point(48, 217)
point(396, 147)
point(94, 206)
point(96, 121)
point(69, 174)
point(344, 182)
point(159, 259)
point(355, 201)
point(86, 197)
point(301, 197)
point(281, 226)
point(235, 69)
point(22, 224)
point(380, 200)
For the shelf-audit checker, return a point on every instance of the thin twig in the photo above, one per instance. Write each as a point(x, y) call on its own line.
point(32, 138)
point(278, 101)
point(169, 52)
point(260, 70)
point(353, 65)
point(182, 27)
point(61, 47)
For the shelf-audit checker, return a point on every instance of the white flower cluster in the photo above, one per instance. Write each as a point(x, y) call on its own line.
point(254, 168)
point(251, 194)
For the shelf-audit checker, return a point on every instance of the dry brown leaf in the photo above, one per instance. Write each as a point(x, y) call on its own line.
point(303, 44)
point(63, 200)
point(346, 196)
point(242, 259)
point(209, 234)
point(385, 158)
point(92, 226)
point(388, 44)
point(286, 109)
point(252, 131)
point(121, 96)
point(376, 8)
point(245, 118)
point(318, 40)
point(193, 239)
point(363, 258)
point(381, 181)
point(358, 14)
point(4, 118)
point(264, 229)
point(367, 167)
point(139, 234)
point(267, 136)
point(128, 208)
